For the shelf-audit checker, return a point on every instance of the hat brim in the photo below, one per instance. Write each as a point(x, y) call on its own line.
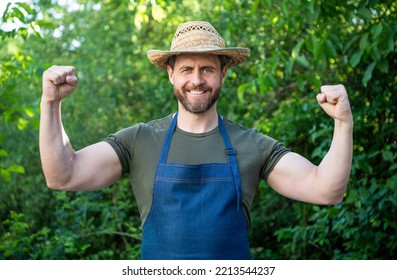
point(235, 55)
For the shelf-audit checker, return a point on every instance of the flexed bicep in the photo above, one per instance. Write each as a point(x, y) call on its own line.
point(94, 167)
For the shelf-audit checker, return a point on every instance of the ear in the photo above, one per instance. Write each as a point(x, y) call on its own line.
point(224, 71)
point(170, 74)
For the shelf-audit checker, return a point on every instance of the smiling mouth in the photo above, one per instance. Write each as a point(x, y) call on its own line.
point(196, 92)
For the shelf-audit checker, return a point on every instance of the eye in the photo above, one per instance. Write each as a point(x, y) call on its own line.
point(186, 70)
point(208, 70)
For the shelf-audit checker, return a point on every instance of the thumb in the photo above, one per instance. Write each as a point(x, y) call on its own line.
point(328, 107)
point(68, 86)
point(321, 98)
point(71, 80)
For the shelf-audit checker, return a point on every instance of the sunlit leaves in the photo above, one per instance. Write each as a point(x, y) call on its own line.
point(15, 69)
point(296, 46)
point(158, 13)
point(141, 16)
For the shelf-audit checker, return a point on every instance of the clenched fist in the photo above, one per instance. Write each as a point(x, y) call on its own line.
point(335, 102)
point(58, 82)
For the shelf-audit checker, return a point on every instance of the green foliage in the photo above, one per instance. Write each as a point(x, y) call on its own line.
point(97, 225)
point(296, 46)
point(14, 68)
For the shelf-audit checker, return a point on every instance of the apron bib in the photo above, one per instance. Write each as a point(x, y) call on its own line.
point(196, 210)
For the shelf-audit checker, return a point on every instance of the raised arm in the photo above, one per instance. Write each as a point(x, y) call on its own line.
point(297, 178)
point(93, 167)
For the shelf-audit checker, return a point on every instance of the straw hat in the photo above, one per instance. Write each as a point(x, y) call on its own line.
point(197, 37)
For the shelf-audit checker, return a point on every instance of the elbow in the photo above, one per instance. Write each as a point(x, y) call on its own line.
point(331, 193)
point(330, 201)
point(333, 198)
point(335, 201)
point(58, 180)
point(59, 185)
point(55, 185)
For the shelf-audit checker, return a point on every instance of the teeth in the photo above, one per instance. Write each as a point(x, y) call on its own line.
point(196, 92)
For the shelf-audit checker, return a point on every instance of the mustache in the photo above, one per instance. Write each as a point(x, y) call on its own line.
point(197, 88)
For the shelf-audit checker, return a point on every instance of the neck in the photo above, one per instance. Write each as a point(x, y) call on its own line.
point(197, 123)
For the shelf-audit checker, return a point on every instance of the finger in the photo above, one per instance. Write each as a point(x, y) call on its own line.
point(331, 98)
point(333, 93)
point(72, 80)
point(52, 76)
point(58, 74)
point(323, 102)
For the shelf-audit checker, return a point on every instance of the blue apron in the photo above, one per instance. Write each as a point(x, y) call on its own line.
point(196, 210)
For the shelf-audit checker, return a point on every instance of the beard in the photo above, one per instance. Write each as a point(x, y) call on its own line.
point(197, 107)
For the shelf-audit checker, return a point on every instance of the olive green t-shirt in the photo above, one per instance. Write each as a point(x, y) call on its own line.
point(138, 148)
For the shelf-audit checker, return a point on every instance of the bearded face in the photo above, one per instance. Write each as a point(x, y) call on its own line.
point(197, 81)
point(197, 99)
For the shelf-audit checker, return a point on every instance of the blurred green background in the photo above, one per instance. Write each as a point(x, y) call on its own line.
point(296, 46)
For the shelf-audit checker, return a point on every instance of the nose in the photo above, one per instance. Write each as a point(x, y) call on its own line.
point(197, 78)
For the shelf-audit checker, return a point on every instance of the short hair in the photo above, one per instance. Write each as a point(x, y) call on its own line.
point(223, 59)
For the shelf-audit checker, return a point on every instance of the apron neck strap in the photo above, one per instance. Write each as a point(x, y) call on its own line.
point(230, 151)
point(167, 140)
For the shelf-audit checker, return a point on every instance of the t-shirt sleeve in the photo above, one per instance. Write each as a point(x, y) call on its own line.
point(271, 152)
point(122, 152)
point(123, 143)
point(278, 151)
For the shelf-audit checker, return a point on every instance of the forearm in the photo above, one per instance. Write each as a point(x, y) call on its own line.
point(332, 175)
point(56, 151)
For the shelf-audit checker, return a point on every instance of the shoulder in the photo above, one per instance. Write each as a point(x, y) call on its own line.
point(161, 124)
point(243, 138)
point(236, 128)
point(153, 126)
point(251, 138)
point(237, 131)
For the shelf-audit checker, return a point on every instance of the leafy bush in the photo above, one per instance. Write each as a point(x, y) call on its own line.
point(296, 46)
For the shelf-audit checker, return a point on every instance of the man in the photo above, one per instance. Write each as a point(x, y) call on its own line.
point(194, 172)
